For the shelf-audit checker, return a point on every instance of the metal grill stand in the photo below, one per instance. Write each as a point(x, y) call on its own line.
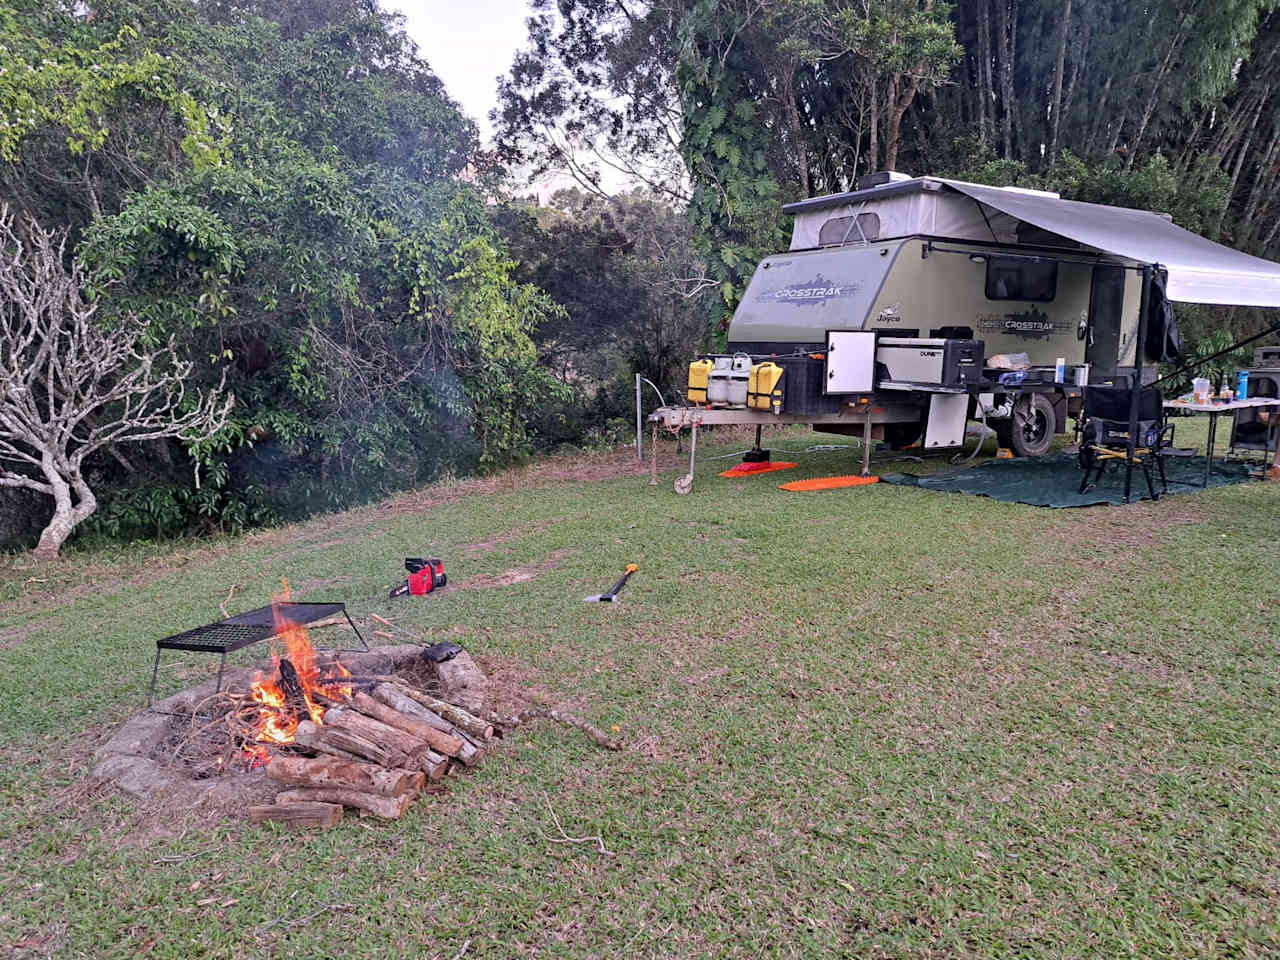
point(245, 629)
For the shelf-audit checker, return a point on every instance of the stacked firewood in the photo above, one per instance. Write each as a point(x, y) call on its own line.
point(375, 752)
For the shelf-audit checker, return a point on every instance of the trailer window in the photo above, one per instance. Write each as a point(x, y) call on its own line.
point(1021, 280)
point(840, 230)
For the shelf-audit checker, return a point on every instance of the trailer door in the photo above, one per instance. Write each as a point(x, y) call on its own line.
point(1106, 310)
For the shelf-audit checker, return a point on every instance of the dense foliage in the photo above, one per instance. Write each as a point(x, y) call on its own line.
point(629, 279)
point(1165, 105)
point(288, 190)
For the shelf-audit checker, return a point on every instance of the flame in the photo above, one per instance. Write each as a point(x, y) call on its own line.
point(276, 723)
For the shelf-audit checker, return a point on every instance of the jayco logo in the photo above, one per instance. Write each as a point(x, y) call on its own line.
point(817, 290)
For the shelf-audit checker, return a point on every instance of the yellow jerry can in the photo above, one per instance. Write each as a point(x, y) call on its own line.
point(699, 373)
point(764, 387)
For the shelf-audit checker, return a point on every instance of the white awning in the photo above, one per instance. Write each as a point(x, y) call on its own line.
point(1200, 271)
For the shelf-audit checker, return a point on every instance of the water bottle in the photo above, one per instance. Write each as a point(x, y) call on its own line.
point(1242, 385)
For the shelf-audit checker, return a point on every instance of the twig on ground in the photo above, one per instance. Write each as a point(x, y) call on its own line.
point(382, 620)
point(280, 920)
point(565, 838)
point(183, 858)
point(559, 716)
point(223, 605)
point(465, 944)
point(383, 634)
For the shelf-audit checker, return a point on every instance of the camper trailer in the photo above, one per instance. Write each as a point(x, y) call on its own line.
point(909, 306)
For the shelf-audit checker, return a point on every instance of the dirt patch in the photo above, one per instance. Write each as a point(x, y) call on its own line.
point(516, 574)
point(12, 637)
point(1137, 526)
point(514, 686)
point(472, 550)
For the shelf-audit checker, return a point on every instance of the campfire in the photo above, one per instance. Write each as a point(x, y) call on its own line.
point(296, 692)
point(371, 742)
point(367, 730)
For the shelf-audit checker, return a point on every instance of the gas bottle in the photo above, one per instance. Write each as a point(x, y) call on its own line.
point(739, 379)
point(718, 381)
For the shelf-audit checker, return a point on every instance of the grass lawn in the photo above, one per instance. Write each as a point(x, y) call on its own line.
point(875, 722)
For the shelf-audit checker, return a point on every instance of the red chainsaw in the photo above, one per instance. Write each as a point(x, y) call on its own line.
point(425, 574)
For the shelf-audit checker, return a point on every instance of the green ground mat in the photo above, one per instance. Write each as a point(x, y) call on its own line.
point(1054, 481)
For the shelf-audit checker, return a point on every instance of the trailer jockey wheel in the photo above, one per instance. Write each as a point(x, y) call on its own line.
point(1029, 432)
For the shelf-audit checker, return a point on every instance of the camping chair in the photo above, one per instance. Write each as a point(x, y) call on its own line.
point(1105, 435)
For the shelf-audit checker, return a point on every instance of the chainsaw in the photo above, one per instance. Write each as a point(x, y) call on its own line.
point(425, 575)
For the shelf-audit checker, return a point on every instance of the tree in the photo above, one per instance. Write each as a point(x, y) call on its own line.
point(71, 386)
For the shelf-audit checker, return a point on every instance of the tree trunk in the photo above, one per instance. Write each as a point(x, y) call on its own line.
point(1097, 126)
point(873, 154)
point(389, 808)
point(898, 109)
point(1240, 159)
point(1057, 86)
point(792, 113)
point(1115, 134)
point(1004, 29)
point(1263, 180)
point(984, 72)
point(299, 814)
point(1156, 85)
point(327, 772)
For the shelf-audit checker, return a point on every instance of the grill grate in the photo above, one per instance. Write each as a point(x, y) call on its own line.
point(243, 630)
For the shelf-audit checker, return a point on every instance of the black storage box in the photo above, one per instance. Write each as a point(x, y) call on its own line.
point(802, 387)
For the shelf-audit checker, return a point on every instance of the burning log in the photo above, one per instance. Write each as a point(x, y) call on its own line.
point(327, 772)
point(299, 814)
point(445, 743)
point(350, 746)
point(389, 808)
point(456, 715)
point(295, 694)
point(391, 696)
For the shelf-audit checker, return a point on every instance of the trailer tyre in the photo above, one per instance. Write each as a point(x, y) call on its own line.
point(1029, 432)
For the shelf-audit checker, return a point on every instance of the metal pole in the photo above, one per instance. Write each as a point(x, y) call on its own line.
point(866, 444)
point(639, 434)
point(1139, 348)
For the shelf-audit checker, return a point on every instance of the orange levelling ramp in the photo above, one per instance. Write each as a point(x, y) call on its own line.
point(829, 483)
point(750, 469)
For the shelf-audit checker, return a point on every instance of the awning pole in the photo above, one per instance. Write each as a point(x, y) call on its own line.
point(1139, 348)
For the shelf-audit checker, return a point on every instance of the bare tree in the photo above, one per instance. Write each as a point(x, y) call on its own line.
point(71, 386)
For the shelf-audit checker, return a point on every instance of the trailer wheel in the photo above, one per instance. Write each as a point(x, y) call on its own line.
point(1029, 432)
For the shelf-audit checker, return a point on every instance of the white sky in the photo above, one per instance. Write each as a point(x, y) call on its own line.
point(468, 45)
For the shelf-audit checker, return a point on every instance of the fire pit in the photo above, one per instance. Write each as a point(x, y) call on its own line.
point(367, 730)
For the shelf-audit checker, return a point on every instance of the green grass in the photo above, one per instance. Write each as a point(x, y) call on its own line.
point(878, 722)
